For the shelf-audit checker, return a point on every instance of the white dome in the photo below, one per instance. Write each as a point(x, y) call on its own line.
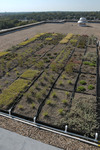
point(83, 19)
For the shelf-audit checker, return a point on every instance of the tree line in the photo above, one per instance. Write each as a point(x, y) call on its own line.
point(8, 20)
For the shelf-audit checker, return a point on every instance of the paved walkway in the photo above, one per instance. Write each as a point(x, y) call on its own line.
point(12, 141)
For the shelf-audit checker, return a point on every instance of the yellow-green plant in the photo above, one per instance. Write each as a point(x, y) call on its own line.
point(3, 53)
point(33, 105)
point(45, 114)
point(61, 111)
point(8, 74)
point(54, 34)
point(65, 102)
point(29, 74)
point(63, 76)
point(20, 107)
point(11, 93)
point(67, 93)
point(69, 67)
point(49, 102)
point(66, 39)
point(32, 39)
point(48, 39)
point(73, 42)
point(69, 82)
point(54, 94)
point(40, 64)
point(60, 82)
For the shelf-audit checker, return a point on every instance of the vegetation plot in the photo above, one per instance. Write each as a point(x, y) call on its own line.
point(53, 77)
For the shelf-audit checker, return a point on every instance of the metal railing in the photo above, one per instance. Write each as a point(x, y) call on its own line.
point(65, 133)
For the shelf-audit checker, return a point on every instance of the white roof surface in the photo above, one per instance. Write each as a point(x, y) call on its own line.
point(13, 141)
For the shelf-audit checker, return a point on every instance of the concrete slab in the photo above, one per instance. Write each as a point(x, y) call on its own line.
point(13, 141)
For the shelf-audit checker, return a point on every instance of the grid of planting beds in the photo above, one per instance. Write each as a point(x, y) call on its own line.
point(52, 77)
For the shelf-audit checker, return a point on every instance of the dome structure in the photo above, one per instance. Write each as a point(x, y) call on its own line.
point(82, 21)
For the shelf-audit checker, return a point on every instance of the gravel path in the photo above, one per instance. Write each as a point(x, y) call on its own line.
point(9, 40)
point(44, 136)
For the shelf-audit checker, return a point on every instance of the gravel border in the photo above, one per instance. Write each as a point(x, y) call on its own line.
point(44, 136)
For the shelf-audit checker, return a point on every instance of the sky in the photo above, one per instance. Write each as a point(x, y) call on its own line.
point(48, 5)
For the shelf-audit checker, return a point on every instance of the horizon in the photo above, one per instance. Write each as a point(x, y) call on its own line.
point(43, 11)
point(49, 6)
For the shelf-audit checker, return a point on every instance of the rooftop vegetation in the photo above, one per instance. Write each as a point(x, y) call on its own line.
point(66, 39)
